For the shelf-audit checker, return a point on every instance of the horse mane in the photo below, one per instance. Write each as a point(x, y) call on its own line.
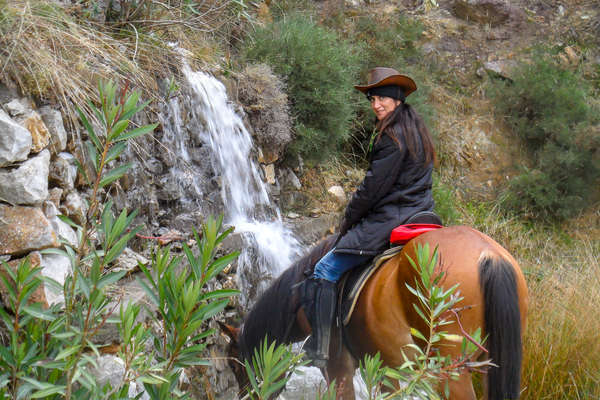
point(275, 310)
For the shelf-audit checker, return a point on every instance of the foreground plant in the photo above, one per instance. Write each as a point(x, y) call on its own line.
point(51, 352)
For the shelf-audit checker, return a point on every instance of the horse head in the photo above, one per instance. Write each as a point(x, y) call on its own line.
point(234, 355)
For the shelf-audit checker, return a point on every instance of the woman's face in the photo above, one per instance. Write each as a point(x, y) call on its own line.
point(382, 106)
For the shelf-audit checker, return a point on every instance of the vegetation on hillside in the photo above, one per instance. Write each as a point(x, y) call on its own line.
point(548, 219)
point(549, 109)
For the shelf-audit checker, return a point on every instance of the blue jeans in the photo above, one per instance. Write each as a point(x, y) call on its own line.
point(332, 266)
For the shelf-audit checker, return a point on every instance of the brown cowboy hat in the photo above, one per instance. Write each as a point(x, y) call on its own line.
point(383, 76)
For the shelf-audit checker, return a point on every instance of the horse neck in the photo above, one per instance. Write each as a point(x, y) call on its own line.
point(274, 314)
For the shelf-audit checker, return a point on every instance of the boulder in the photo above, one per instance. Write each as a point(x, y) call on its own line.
point(27, 184)
point(63, 171)
point(24, 229)
point(54, 122)
point(486, 12)
point(38, 296)
point(39, 132)
point(15, 141)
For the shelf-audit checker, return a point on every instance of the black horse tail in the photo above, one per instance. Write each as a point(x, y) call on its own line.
point(503, 327)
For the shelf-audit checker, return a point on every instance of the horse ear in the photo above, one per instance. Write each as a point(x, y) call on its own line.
point(231, 331)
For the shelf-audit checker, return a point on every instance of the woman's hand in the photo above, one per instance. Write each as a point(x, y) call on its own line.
point(344, 226)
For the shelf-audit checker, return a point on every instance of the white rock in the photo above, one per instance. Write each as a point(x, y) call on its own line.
point(15, 141)
point(17, 107)
point(62, 229)
point(338, 193)
point(57, 267)
point(128, 260)
point(54, 122)
point(27, 184)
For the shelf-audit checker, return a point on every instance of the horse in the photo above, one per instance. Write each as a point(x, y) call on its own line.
point(494, 295)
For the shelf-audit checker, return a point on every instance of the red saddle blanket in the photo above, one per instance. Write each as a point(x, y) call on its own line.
point(403, 233)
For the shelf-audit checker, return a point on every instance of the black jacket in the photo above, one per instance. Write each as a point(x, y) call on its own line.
point(395, 188)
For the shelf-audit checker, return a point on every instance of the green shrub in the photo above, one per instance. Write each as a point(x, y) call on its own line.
point(319, 69)
point(548, 108)
point(445, 201)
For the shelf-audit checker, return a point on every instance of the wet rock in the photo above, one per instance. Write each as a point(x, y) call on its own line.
point(169, 188)
point(63, 171)
point(27, 184)
point(38, 296)
point(57, 267)
point(54, 122)
point(39, 132)
point(24, 229)
point(486, 12)
point(15, 141)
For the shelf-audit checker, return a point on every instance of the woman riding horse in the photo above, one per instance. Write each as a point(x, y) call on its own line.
point(397, 185)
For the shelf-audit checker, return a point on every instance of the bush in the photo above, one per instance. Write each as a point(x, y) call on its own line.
point(319, 69)
point(548, 108)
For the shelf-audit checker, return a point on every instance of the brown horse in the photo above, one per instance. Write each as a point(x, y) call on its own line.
point(494, 299)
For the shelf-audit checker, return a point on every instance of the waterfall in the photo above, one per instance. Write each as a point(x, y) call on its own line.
point(269, 246)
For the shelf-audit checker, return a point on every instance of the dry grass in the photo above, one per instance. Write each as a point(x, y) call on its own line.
point(57, 55)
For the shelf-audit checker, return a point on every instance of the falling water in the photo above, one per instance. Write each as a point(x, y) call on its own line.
point(244, 194)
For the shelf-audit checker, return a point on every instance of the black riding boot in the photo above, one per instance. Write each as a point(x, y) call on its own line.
point(321, 319)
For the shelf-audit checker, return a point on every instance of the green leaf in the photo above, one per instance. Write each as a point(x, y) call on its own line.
point(67, 352)
point(117, 129)
point(88, 128)
point(54, 389)
point(36, 311)
point(115, 174)
point(115, 151)
point(142, 130)
point(110, 278)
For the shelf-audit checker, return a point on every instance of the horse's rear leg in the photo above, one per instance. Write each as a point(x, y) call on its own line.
point(341, 367)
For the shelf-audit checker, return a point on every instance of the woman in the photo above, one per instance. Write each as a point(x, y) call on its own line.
point(397, 185)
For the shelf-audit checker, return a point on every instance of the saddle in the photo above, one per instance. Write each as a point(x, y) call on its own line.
point(354, 280)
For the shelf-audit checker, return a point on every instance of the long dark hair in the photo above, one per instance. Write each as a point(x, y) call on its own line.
point(405, 121)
